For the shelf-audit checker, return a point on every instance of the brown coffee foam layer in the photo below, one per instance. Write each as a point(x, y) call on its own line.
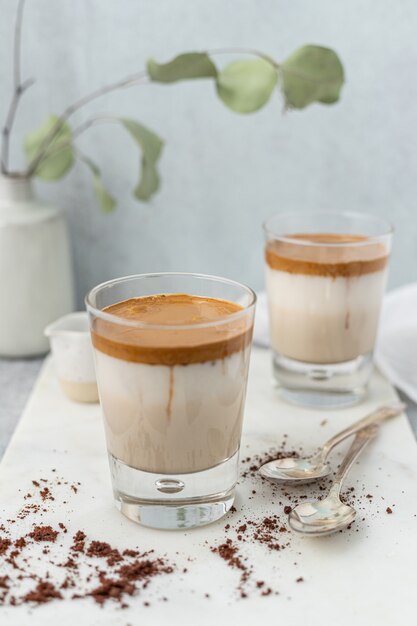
point(172, 346)
point(324, 258)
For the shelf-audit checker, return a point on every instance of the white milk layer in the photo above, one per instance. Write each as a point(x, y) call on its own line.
point(320, 319)
point(172, 420)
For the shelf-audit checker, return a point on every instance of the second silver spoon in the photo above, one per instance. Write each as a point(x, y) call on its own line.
point(323, 517)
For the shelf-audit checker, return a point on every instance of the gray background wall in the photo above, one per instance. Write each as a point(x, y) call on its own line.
point(223, 173)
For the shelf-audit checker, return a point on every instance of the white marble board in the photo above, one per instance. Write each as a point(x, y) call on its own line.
point(365, 575)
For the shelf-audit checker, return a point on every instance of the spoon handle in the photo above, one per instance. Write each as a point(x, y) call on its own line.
point(381, 414)
point(361, 440)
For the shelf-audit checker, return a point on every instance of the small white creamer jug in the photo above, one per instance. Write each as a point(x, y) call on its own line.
point(72, 351)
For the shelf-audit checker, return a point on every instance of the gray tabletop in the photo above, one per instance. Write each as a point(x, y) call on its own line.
point(17, 378)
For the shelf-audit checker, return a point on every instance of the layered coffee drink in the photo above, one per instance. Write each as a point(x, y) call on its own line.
point(172, 380)
point(325, 275)
point(324, 293)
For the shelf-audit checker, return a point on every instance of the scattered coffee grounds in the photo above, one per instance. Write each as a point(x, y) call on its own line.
point(389, 510)
point(230, 553)
point(43, 592)
point(269, 532)
point(28, 509)
point(78, 544)
point(99, 548)
point(266, 532)
point(144, 570)
point(111, 589)
point(4, 582)
point(4, 545)
point(132, 573)
point(75, 566)
point(102, 549)
point(46, 494)
point(266, 592)
point(131, 553)
point(300, 580)
point(44, 533)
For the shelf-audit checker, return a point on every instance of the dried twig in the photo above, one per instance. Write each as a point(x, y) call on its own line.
point(18, 88)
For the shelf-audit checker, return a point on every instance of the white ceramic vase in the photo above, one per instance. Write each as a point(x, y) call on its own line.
point(36, 282)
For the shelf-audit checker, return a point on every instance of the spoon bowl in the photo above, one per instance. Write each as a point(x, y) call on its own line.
point(321, 517)
point(290, 470)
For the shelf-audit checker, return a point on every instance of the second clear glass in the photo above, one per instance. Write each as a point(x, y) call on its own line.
point(325, 275)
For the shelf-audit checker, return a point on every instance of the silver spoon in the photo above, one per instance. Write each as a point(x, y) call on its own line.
point(323, 517)
point(307, 469)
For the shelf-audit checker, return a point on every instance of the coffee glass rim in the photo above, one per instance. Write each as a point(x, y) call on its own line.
point(117, 319)
point(387, 228)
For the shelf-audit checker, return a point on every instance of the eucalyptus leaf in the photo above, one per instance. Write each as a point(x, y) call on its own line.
point(151, 146)
point(184, 67)
point(59, 154)
point(246, 86)
point(106, 200)
point(312, 74)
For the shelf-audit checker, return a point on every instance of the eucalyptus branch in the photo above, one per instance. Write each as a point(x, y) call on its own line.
point(310, 74)
point(139, 78)
point(129, 81)
point(18, 88)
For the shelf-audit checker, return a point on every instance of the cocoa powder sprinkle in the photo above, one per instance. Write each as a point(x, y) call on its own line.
point(43, 592)
point(4, 582)
point(4, 545)
point(44, 533)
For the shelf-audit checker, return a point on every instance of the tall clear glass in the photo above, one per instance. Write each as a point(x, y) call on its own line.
point(172, 396)
point(325, 277)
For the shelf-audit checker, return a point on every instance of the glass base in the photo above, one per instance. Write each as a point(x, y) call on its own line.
point(176, 501)
point(323, 386)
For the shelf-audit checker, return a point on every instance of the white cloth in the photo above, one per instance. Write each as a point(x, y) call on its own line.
point(396, 350)
point(261, 326)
